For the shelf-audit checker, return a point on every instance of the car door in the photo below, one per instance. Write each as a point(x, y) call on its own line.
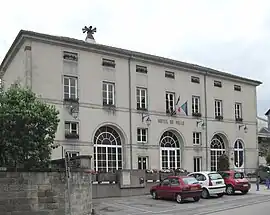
point(174, 188)
point(164, 188)
point(201, 179)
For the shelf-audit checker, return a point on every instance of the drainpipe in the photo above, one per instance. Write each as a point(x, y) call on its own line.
point(130, 114)
point(205, 121)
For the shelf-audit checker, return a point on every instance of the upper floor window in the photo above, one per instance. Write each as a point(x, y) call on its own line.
point(72, 154)
point(72, 130)
point(169, 74)
point(217, 84)
point(238, 111)
point(237, 88)
point(108, 62)
point(142, 134)
point(70, 56)
point(141, 98)
point(70, 87)
point(195, 79)
point(170, 102)
point(196, 104)
point(141, 69)
point(197, 138)
point(218, 108)
point(108, 92)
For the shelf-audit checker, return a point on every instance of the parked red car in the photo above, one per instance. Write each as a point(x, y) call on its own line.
point(177, 188)
point(235, 181)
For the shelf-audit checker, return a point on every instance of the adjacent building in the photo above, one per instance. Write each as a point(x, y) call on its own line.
point(134, 110)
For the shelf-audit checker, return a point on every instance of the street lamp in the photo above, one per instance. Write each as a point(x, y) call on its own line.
point(200, 124)
point(148, 120)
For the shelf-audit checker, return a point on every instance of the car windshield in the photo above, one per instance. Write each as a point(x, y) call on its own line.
point(214, 176)
point(239, 175)
point(190, 180)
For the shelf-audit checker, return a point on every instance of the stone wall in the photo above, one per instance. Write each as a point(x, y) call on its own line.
point(44, 193)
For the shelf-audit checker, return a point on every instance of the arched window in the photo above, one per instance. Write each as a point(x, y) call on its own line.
point(107, 150)
point(238, 154)
point(217, 148)
point(169, 151)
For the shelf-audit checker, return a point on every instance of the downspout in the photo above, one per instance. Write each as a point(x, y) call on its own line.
point(130, 114)
point(205, 122)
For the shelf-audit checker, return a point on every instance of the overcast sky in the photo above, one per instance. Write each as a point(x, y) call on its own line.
point(229, 35)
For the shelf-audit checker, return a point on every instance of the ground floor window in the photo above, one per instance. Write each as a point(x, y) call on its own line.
point(197, 163)
point(107, 150)
point(142, 162)
point(217, 148)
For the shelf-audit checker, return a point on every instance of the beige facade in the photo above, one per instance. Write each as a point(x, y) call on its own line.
point(109, 82)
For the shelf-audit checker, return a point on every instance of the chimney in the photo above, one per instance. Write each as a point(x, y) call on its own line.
point(268, 118)
point(90, 31)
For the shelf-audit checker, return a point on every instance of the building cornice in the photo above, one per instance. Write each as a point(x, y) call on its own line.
point(118, 52)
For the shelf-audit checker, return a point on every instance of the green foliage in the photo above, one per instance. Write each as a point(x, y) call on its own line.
point(28, 128)
point(223, 163)
point(267, 158)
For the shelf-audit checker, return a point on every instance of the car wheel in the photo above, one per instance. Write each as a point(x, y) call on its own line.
point(220, 194)
point(178, 198)
point(230, 190)
point(245, 192)
point(154, 195)
point(205, 193)
point(197, 198)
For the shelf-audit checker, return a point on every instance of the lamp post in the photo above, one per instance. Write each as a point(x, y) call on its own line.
point(245, 128)
point(148, 120)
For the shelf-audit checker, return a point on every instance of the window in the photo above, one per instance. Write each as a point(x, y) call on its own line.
point(169, 74)
point(218, 108)
point(217, 84)
point(197, 162)
point(190, 180)
point(174, 181)
point(196, 138)
point(71, 127)
point(108, 63)
point(238, 111)
point(70, 56)
point(165, 182)
point(141, 98)
point(108, 94)
point(142, 135)
point(71, 154)
point(141, 69)
point(195, 79)
point(196, 105)
point(70, 87)
point(142, 162)
point(237, 88)
point(170, 102)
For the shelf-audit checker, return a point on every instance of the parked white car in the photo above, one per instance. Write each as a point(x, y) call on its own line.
point(211, 182)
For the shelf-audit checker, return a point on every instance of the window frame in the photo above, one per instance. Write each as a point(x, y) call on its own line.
point(238, 115)
point(143, 165)
point(194, 98)
point(140, 135)
point(197, 136)
point(70, 127)
point(69, 78)
point(107, 98)
point(197, 163)
point(168, 101)
point(170, 74)
point(218, 110)
point(139, 102)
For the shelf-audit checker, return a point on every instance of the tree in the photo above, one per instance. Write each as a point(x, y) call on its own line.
point(223, 163)
point(267, 158)
point(28, 128)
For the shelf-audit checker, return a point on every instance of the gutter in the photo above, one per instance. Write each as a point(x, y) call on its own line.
point(205, 121)
point(130, 114)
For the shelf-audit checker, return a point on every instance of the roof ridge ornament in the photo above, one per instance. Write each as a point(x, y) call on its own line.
point(90, 31)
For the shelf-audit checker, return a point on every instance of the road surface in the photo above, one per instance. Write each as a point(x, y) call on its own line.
point(251, 203)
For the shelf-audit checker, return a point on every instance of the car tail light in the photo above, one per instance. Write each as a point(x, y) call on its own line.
point(210, 182)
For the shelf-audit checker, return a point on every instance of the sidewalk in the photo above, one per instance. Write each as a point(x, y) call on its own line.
point(263, 190)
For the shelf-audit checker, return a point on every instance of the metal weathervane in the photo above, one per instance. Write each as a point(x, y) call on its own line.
point(90, 31)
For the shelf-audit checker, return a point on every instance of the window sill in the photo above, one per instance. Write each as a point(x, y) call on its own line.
point(72, 136)
point(219, 118)
point(108, 106)
point(74, 100)
point(197, 115)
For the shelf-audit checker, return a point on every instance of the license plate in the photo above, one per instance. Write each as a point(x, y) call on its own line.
point(193, 188)
point(245, 185)
point(218, 182)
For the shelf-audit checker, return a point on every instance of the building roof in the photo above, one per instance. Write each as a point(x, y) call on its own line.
point(82, 45)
